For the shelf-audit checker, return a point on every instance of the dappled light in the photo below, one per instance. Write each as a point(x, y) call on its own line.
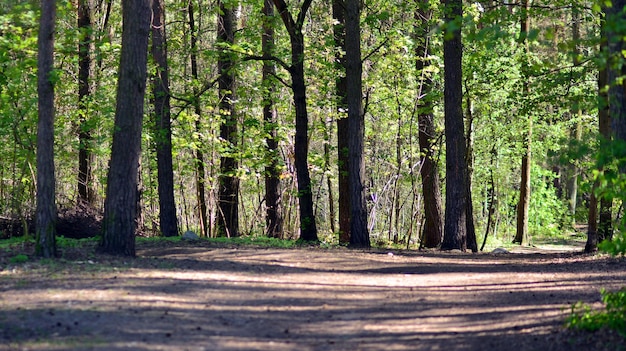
point(192, 298)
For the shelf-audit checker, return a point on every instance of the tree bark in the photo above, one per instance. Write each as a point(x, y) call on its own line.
point(308, 227)
point(163, 127)
point(359, 234)
point(120, 206)
point(339, 34)
point(521, 235)
point(433, 209)
point(573, 171)
point(617, 92)
point(85, 138)
point(273, 209)
point(199, 155)
point(455, 226)
point(471, 230)
point(46, 214)
point(228, 193)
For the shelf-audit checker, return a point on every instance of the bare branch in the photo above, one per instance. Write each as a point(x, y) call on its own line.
point(375, 50)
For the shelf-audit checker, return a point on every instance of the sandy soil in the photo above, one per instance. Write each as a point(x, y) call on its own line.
point(194, 296)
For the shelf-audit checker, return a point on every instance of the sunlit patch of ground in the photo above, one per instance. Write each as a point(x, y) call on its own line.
point(185, 297)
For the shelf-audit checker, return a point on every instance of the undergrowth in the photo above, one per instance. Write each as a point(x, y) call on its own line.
point(613, 316)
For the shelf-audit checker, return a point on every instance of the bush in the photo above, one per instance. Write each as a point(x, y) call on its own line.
point(613, 317)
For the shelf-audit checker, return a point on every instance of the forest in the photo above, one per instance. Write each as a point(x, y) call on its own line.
point(422, 123)
point(312, 175)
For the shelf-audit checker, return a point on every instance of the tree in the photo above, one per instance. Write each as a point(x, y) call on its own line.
point(339, 35)
point(163, 126)
point(85, 138)
point(359, 235)
point(228, 203)
point(46, 214)
point(120, 206)
point(455, 226)
point(433, 209)
point(273, 215)
point(596, 232)
point(199, 155)
point(617, 69)
point(521, 235)
point(308, 227)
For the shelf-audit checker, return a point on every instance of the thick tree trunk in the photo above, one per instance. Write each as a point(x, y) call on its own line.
point(359, 235)
point(45, 225)
point(339, 34)
point(521, 235)
point(163, 127)
point(273, 208)
point(617, 92)
point(308, 227)
point(199, 155)
point(228, 203)
point(120, 206)
point(455, 226)
point(85, 139)
point(606, 118)
point(433, 209)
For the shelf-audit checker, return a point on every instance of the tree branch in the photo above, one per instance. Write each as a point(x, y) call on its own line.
point(303, 10)
point(280, 62)
point(196, 95)
point(281, 6)
point(375, 50)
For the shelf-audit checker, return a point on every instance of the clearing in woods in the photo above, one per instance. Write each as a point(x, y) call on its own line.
point(199, 296)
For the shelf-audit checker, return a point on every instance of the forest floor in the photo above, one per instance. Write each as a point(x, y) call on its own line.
point(202, 296)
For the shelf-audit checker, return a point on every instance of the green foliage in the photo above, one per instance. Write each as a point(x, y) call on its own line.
point(615, 247)
point(494, 71)
point(21, 258)
point(63, 242)
point(613, 316)
point(547, 212)
point(7, 244)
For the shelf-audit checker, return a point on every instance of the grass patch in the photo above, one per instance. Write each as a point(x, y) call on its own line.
point(259, 241)
point(19, 258)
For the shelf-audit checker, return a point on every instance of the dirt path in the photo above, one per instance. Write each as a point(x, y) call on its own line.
point(207, 298)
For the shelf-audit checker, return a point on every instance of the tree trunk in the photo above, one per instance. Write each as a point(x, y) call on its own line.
point(339, 34)
point(45, 225)
point(273, 212)
point(455, 226)
point(228, 203)
point(576, 131)
point(199, 157)
point(595, 230)
point(327, 170)
point(521, 235)
point(471, 230)
point(308, 227)
point(120, 206)
point(433, 209)
point(163, 128)
point(606, 117)
point(359, 235)
point(491, 202)
point(617, 92)
point(592, 223)
point(85, 139)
